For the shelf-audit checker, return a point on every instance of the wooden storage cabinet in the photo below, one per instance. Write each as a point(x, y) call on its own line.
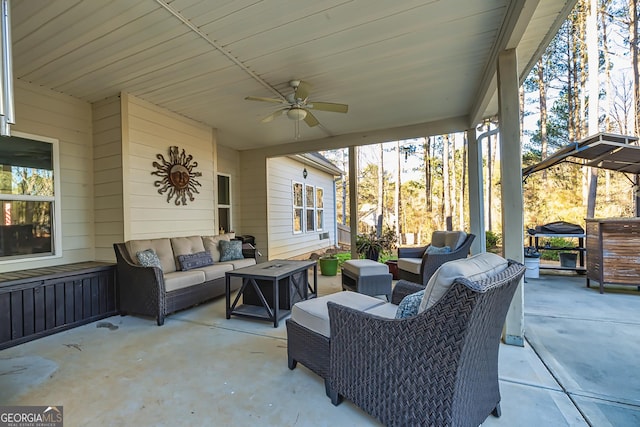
point(39, 302)
point(612, 249)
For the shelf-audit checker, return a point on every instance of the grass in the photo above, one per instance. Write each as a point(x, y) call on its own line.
point(344, 256)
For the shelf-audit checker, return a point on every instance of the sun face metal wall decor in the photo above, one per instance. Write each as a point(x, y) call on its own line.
point(178, 177)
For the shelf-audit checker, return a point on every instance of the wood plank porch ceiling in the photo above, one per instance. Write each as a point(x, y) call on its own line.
point(397, 64)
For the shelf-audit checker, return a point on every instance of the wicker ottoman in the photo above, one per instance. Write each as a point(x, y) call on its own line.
point(367, 277)
point(308, 328)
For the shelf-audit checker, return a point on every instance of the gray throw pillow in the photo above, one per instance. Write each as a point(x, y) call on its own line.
point(409, 305)
point(196, 260)
point(437, 250)
point(230, 250)
point(148, 258)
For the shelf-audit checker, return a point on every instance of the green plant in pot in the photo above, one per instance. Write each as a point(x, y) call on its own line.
point(328, 265)
point(371, 245)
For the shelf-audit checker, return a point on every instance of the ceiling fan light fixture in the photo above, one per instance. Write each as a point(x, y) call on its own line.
point(296, 114)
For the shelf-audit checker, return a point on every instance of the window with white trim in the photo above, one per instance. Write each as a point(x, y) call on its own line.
point(298, 207)
point(27, 198)
point(310, 208)
point(224, 202)
point(319, 209)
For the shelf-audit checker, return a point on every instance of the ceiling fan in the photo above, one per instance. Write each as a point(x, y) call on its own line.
point(297, 105)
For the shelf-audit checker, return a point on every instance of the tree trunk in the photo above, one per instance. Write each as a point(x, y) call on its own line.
point(380, 207)
point(463, 183)
point(633, 35)
point(446, 196)
point(397, 197)
point(609, 92)
point(427, 174)
point(542, 94)
point(454, 178)
point(594, 92)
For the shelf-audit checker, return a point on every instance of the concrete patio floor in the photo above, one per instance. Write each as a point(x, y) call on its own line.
point(577, 368)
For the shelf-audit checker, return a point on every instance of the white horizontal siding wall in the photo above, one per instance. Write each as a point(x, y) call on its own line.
point(253, 199)
point(147, 131)
point(107, 155)
point(283, 243)
point(50, 114)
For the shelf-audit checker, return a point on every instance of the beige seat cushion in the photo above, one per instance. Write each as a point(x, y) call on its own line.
point(162, 248)
point(215, 271)
point(313, 314)
point(240, 263)
point(365, 267)
point(412, 265)
point(182, 279)
point(475, 268)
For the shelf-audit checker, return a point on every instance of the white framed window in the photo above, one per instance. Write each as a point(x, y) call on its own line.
point(310, 215)
point(298, 207)
point(224, 202)
point(308, 208)
point(29, 198)
point(319, 209)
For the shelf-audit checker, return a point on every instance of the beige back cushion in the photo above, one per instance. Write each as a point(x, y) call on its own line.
point(186, 245)
point(162, 248)
point(211, 244)
point(438, 238)
point(475, 268)
point(454, 239)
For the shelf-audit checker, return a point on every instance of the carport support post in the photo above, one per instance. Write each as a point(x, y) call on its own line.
point(476, 194)
point(353, 199)
point(511, 181)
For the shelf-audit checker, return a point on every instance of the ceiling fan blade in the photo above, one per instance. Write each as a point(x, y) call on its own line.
point(273, 116)
point(260, 98)
point(311, 120)
point(302, 92)
point(329, 106)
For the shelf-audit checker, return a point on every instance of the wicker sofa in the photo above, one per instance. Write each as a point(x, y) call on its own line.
point(437, 367)
point(159, 291)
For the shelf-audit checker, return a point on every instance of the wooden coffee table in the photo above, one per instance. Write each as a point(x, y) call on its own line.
point(288, 277)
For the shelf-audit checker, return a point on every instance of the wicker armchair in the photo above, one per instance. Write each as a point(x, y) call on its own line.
point(430, 262)
point(439, 368)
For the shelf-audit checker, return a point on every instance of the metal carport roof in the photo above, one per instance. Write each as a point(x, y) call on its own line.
point(602, 150)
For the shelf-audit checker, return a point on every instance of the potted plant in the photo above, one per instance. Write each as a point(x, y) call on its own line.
point(371, 245)
point(328, 265)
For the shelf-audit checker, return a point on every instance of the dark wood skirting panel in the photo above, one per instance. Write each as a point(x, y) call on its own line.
point(42, 301)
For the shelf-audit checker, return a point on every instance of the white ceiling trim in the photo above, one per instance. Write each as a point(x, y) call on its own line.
point(419, 130)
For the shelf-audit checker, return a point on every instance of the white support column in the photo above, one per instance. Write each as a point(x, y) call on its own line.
point(511, 180)
point(353, 199)
point(476, 193)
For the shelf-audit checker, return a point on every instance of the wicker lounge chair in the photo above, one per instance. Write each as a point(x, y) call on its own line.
point(437, 368)
point(429, 263)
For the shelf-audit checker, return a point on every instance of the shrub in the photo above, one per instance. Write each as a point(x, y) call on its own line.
point(492, 239)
